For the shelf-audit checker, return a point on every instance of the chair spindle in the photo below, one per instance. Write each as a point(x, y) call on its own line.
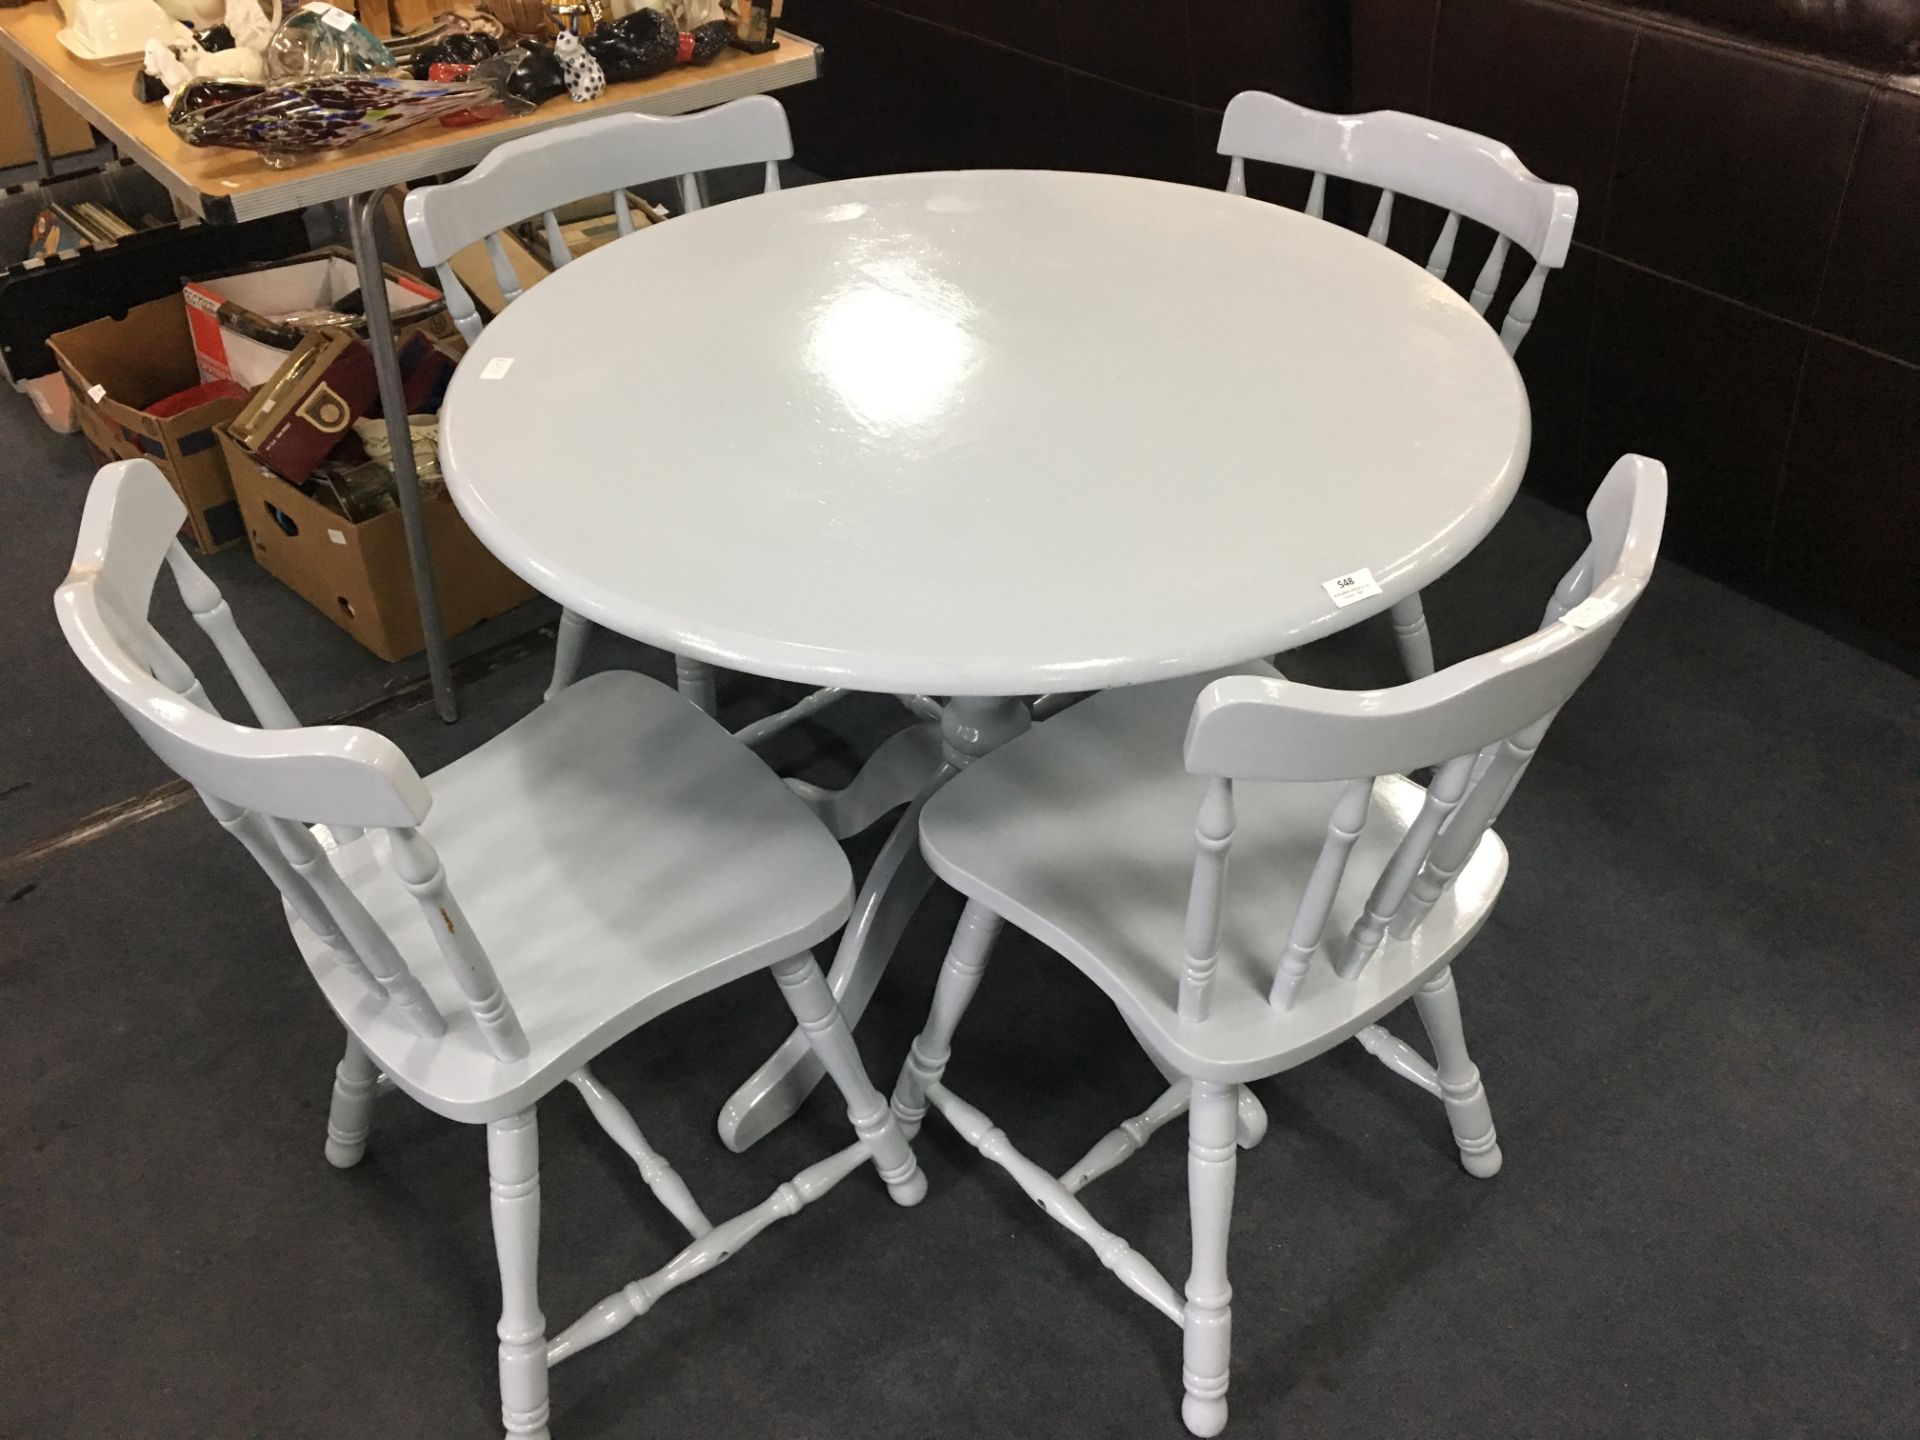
point(622, 213)
point(1489, 278)
point(369, 941)
point(503, 275)
point(1382, 218)
point(1317, 196)
point(1470, 821)
point(213, 615)
point(466, 316)
point(1349, 818)
point(418, 865)
point(1390, 890)
point(1525, 306)
point(557, 250)
point(1440, 258)
point(1212, 836)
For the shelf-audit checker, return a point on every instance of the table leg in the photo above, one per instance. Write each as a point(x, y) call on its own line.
point(896, 884)
point(36, 124)
point(362, 214)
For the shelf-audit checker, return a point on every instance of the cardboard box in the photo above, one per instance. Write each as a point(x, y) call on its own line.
point(115, 369)
point(66, 132)
point(241, 325)
point(357, 574)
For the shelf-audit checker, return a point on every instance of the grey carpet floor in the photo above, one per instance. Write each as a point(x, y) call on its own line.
point(1695, 1008)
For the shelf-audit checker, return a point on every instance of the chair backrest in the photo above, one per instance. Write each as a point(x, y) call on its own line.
point(266, 786)
point(1479, 722)
point(604, 156)
point(1457, 170)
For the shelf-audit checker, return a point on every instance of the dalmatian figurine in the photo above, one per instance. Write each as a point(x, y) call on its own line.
point(585, 79)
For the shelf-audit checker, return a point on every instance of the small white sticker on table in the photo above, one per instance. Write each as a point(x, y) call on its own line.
point(1345, 590)
point(497, 367)
point(1590, 612)
point(96, 393)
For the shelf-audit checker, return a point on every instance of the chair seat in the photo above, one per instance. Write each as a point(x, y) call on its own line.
point(1081, 832)
point(618, 853)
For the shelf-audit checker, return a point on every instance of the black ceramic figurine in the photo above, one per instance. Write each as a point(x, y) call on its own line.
point(536, 76)
point(460, 49)
point(635, 46)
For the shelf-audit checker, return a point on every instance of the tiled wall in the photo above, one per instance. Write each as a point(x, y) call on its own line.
point(1743, 299)
point(1744, 296)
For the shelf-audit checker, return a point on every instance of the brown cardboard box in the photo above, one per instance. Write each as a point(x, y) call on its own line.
point(116, 368)
point(239, 319)
point(66, 132)
point(357, 574)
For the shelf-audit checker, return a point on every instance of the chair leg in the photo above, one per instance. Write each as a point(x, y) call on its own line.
point(960, 976)
point(1410, 632)
point(1208, 1321)
point(569, 649)
point(513, 1169)
point(1466, 1098)
point(695, 681)
point(1251, 1125)
point(811, 1000)
point(350, 1116)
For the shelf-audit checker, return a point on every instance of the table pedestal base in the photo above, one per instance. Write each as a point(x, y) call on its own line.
point(905, 770)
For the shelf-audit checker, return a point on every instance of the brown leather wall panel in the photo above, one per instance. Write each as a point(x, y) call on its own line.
point(1881, 33)
point(1393, 54)
point(1554, 362)
point(1731, 168)
point(1126, 132)
point(1872, 291)
point(1706, 386)
point(1546, 79)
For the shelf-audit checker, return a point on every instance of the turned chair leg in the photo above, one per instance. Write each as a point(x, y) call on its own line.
point(960, 976)
point(696, 684)
point(811, 1000)
point(569, 649)
point(1211, 1123)
point(513, 1170)
point(1466, 1098)
point(350, 1116)
point(1410, 633)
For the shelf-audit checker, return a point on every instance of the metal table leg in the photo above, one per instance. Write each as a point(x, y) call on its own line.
point(362, 214)
point(30, 102)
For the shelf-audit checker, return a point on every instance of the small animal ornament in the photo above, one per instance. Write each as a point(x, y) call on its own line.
point(585, 79)
point(174, 62)
point(167, 67)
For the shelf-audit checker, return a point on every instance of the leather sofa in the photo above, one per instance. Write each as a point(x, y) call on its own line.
point(1743, 298)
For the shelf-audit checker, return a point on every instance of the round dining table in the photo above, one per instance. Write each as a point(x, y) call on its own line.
point(979, 435)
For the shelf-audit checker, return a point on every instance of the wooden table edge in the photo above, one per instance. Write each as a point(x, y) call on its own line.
point(26, 33)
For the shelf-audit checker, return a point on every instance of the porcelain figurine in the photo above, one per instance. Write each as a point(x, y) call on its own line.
point(585, 79)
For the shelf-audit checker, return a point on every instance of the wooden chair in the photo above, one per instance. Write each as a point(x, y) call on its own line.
point(604, 156)
point(1462, 173)
point(616, 853)
point(1354, 889)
